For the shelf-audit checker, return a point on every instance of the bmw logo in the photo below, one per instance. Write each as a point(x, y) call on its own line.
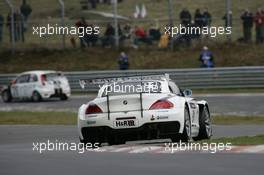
point(125, 102)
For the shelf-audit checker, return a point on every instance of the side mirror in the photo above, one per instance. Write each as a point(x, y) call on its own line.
point(187, 92)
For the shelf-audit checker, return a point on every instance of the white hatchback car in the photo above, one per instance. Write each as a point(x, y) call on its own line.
point(37, 85)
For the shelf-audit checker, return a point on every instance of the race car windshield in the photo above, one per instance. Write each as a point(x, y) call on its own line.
point(133, 88)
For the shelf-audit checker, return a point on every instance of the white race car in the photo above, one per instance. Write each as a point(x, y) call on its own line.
point(120, 113)
point(37, 85)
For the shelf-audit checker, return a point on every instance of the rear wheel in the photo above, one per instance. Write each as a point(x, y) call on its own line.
point(205, 131)
point(116, 141)
point(185, 136)
point(63, 97)
point(36, 96)
point(6, 96)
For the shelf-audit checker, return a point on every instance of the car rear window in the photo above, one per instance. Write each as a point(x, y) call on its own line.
point(133, 88)
point(51, 76)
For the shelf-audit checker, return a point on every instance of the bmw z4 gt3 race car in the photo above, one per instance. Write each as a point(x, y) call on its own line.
point(151, 107)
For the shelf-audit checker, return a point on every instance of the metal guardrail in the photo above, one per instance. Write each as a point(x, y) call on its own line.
point(233, 77)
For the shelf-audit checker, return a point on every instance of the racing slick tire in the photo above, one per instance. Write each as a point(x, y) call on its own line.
point(63, 97)
point(36, 97)
point(185, 136)
point(205, 131)
point(115, 141)
point(6, 96)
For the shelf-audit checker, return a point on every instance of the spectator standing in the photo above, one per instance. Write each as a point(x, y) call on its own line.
point(164, 41)
point(108, 39)
point(207, 17)
point(198, 18)
point(127, 31)
point(92, 38)
point(247, 19)
point(123, 61)
point(154, 33)
point(1, 27)
point(259, 23)
point(206, 58)
point(141, 36)
point(185, 17)
point(25, 10)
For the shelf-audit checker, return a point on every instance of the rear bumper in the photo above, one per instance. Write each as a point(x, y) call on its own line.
point(145, 132)
point(54, 93)
point(152, 120)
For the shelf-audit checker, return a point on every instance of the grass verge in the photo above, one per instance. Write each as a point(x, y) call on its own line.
point(243, 140)
point(237, 120)
point(228, 90)
point(68, 118)
point(37, 118)
point(95, 58)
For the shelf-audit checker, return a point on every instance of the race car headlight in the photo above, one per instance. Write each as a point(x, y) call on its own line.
point(93, 109)
point(162, 104)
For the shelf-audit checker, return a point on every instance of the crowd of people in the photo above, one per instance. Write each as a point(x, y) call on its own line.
point(249, 19)
point(136, 35)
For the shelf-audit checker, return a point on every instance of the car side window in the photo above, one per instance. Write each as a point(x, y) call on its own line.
point(23, 79)
point(171, 89)
point(33, 78)
point(174, 88)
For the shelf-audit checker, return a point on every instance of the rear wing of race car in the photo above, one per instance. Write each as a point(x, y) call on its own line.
point(100, 81)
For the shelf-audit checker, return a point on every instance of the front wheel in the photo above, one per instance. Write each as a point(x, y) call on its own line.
point(36, 97)
point(6, 96)
point(205, 131)
point(63, 97)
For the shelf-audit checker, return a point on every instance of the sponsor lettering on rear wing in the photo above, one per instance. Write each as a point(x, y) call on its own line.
point(100, 81)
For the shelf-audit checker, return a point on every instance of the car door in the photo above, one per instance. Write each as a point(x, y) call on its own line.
point(20, 88)
point(30, 86)
point(15, 86)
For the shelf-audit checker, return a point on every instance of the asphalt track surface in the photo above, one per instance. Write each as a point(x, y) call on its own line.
point(17, 155)
point(222, 104)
